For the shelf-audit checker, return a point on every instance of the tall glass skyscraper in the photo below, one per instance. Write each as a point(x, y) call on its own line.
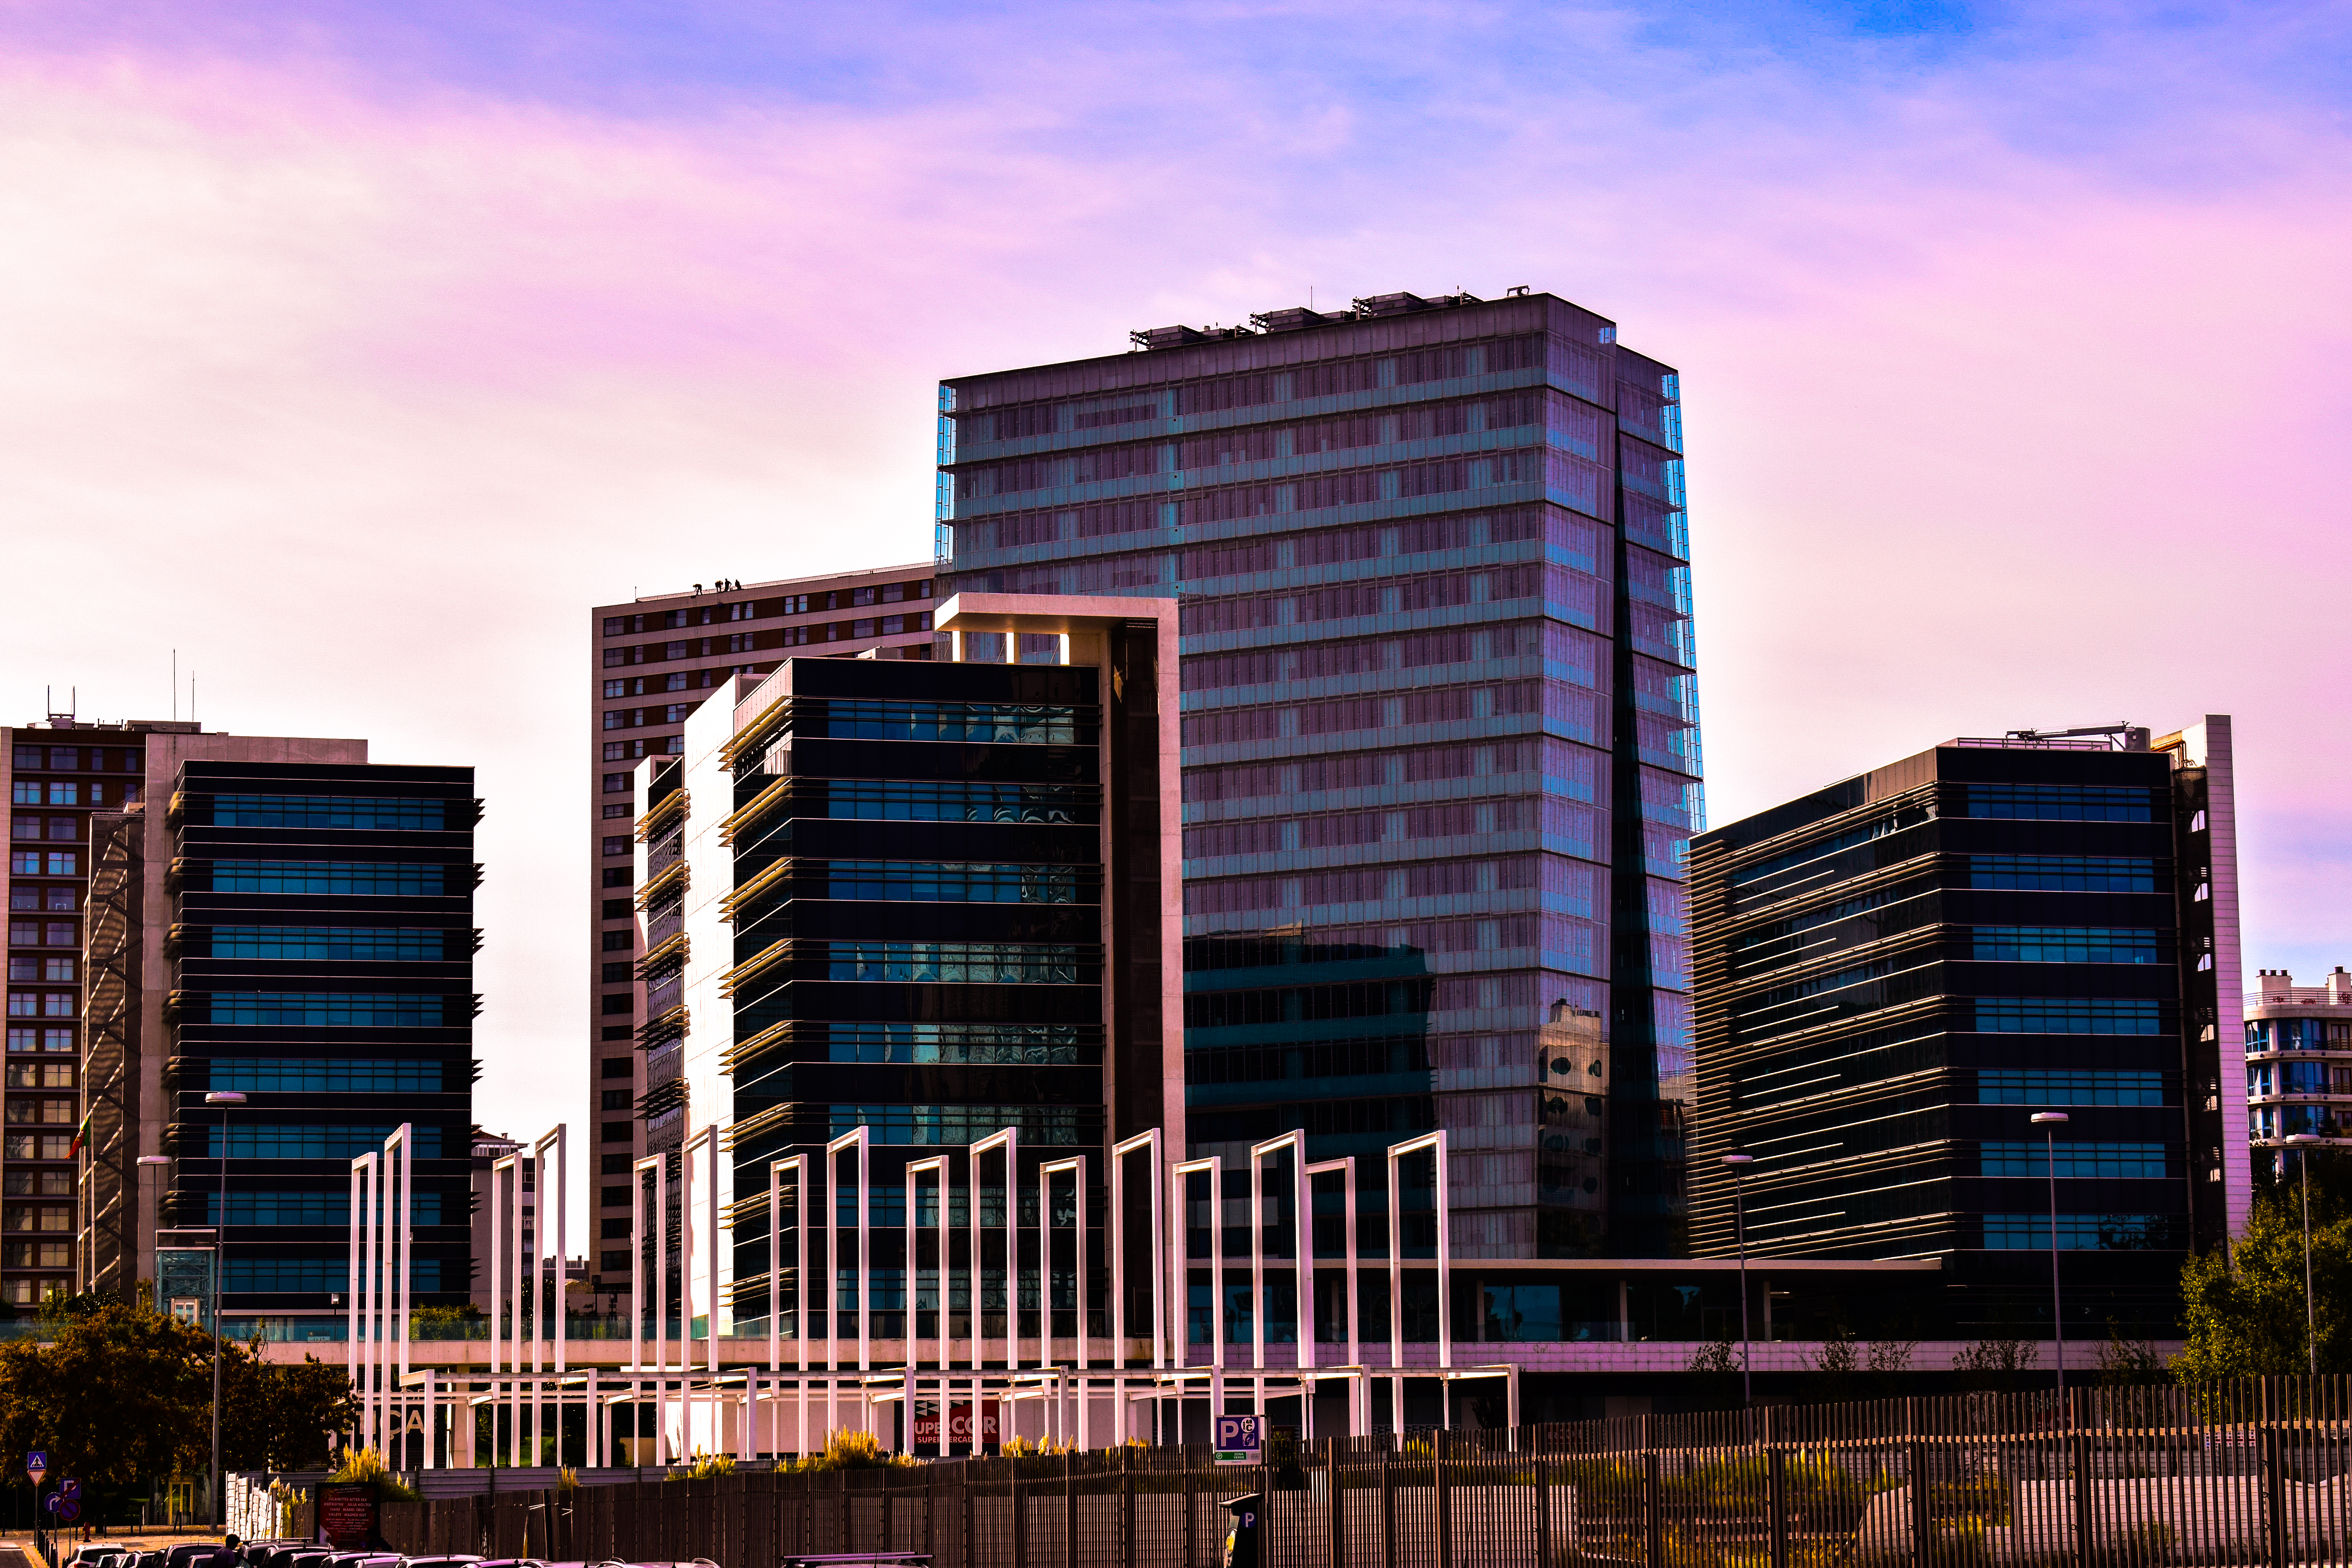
point(1440, 725)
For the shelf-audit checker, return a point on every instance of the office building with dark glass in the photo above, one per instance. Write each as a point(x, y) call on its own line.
point(319, 950)
point(1896, 972)
point(918, 903)
point(1440, 734)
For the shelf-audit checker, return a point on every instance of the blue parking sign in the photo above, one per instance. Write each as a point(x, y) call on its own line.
point(1241, 1440)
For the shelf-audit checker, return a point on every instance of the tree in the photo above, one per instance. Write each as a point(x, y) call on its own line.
point(1837, 1368)
point(1997, 1364)
point(122, 1396)
point(2243, 1306)
point(277, 1415)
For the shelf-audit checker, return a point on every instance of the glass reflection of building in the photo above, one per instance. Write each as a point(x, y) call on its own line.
point(1441, 746)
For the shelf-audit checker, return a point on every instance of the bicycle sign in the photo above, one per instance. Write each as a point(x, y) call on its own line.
point(1241, 1440)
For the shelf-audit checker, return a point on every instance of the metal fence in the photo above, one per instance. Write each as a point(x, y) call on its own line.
point(2251, 1472)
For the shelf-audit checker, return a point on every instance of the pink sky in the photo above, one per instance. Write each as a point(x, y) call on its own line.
point(354, 353)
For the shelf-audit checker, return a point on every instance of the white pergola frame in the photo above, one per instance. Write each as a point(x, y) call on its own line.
point(1063, 1390)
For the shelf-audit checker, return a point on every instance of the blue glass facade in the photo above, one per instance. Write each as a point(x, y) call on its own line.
point(1440, 726)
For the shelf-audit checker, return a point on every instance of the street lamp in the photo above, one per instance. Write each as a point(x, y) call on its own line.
point(2050, 1121)
point(223, 1098)
point(159, 1164)
point(1738, 1164)
point(2303, 1142)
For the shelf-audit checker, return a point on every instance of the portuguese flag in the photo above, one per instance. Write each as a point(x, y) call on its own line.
point(81, 1136)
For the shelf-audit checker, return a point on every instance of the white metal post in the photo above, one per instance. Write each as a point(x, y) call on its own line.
point(358, 1219)
point(1077, 1167)
point(653, 1163)
point(1359, 1397)
point(1215, 1165)
point(1008, 1140)
point(937, 1164)
point(855, 1139)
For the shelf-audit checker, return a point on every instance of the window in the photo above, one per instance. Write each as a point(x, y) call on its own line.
point(27, 1146)
point(616, 783)
point(621, 626)
point(616, 877)
point(24, 968)
point(674, 650)
point(67, 827)
point(356, 813)
point(57, 969)
point(2066, 944)
point(372, 878)
point(612, 1197)
point(24, 862)
point(614, 1164)
point(614, 1230)
point(617, 845)
point(615, 808)
point(617, 1005)
point(56, 1039)
point(676, 712)
point(2068, 1015)
point(40, 1075)
point(320, 1009)
point(796, 604)
point(618, 941)
point(615, 751)
point(2028, 1157)
point(330, 1075)
point(613, 1099)
point(57, 1003)
point(325, 944)
point(296, 1141)
point(616, 974)
point(23, 933)
point(63, 863)
point(2082, 1232)
point(2054, 803)
point(616, 908)
point(57, 934)
point(617, 1066)
point(614, 1132)
point(676, 683)
point(950, 1124)
point(675, 618)
point(613, 1032)
point(24, 827)
point(616, 688)
point(861, 596)
point(27, 792)
point(23, 1003)
point(2063, 873)
point(64, 792)
point(58, 901)
point(613, 655)
point(862, 628)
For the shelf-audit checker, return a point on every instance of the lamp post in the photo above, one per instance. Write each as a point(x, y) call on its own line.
point(2303, 1142)
point(1738, 1164)
point(223, 1098)
point(2050, 1121)
point(159, 1164)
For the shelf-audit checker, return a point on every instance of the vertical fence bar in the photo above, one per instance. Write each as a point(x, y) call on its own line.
point(1653, 1527)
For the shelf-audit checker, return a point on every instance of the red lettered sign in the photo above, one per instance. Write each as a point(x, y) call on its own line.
point(347, 1517)
point(927, 1425)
